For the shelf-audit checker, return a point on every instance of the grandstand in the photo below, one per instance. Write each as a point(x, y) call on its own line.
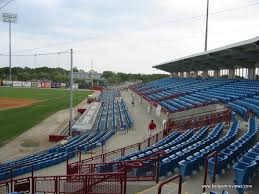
point(211, 128)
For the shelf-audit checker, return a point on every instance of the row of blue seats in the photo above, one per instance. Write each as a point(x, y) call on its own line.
point(225, 92)
point(246, 167)
point(238, 108)
point(173, 149)
point(55, 156)
point(127, 114)
point(235, 150)
point(162, 144)
point(196, 161)
point(244, 105)
point(60, 153)
point(249, 105)
point(169, 164)
point(188, 88)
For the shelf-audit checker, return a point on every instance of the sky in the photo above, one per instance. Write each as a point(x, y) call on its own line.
point(127, 36)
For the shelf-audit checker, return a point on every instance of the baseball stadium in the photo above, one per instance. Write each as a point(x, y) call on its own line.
point(192, 129)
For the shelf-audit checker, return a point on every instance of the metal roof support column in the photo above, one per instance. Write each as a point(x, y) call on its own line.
point(181, 75)
point(231, 74)
point(217, 73)
point(188, 74)
point(205, 74)
point(195, 74)
point(251, 72)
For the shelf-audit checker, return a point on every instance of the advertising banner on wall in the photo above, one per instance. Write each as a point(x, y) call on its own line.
point(39, 85)
point(17, 84)
point(26, 84)
point(34, 84)
point(55, 85)
point(47, 85)
point(63, 85)
point(7, 83)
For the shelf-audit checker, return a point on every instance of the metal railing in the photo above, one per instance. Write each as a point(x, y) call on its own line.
point(169, 180)
point(213, 154)
point(110, 183)
point(108, 156)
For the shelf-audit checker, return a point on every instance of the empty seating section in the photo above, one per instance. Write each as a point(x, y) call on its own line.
point(115, 111)
point(176, 94)
point(246, 167)
point(188, 148)
point(244, 105)
point(112, 104)
point(196, 160)
point(238, 108)
point(235, 150)
point(161, 145)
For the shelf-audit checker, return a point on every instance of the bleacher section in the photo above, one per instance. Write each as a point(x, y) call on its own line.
point(175, 94)
point(195, 161)
point(113, 112)
point(235, 150)
point(244, 105)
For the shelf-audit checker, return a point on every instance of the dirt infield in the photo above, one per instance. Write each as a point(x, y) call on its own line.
point(7, 103)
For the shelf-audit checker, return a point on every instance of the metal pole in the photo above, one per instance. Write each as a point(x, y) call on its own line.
point(10, 53)
point(206, 32)
point(71, 92)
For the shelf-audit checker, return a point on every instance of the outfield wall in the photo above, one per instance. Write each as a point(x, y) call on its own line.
point(26, 84)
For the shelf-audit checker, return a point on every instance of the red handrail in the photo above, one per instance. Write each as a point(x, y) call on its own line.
point(213, 154)
point(169, 180)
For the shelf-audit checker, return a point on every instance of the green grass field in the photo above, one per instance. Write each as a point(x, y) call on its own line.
point(16, 121)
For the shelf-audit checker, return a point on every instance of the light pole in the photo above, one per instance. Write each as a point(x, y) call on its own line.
point(71, 92)
point(10, 18)
point(206, 31)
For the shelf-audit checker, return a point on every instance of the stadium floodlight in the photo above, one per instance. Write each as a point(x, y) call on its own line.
point(10, 18)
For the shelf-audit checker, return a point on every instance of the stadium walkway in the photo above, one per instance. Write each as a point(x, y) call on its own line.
point(138, 133)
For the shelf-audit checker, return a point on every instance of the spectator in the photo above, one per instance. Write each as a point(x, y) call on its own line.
point(151, 128)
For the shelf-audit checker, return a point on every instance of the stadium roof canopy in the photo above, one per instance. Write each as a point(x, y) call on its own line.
point(237, 55)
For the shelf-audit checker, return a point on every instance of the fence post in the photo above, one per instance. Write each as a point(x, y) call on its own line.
point(157, 168)
point(32, 180)
point(67, 165)
point(139, 146)
point(12, 180)
point(148, 142)
point(215, 154)
point(125, 179)
point(32, 185)
point(80, 155)
point(122, 151)
point(103, 157)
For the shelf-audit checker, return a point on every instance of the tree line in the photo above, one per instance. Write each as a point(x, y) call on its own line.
point(61, 75)
point(115, 78)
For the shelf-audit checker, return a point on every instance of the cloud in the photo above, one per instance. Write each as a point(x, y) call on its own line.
point(128, 36)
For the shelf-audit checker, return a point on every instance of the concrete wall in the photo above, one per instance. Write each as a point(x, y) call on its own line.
point(196, 111)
